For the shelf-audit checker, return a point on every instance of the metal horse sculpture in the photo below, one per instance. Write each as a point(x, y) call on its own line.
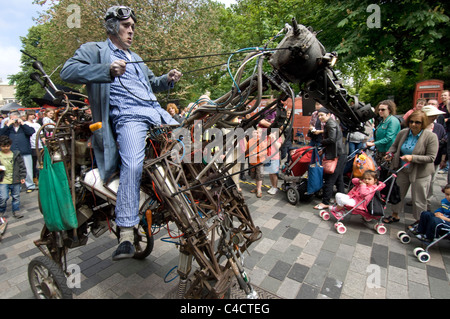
point(200, 197)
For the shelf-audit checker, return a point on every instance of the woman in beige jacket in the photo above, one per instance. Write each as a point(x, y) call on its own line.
point(417, 146)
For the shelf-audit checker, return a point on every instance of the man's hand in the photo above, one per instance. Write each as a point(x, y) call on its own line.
point(118, 68)
point(174, 75)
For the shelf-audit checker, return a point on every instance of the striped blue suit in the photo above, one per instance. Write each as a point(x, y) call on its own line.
point(126, 117)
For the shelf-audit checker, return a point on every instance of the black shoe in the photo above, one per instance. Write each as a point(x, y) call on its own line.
point(125, 250)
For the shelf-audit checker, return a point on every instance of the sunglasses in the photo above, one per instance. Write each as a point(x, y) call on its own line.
point(121, 13)
point(415, 122)
point(382, 109)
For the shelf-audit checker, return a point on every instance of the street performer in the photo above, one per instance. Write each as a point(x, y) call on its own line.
point(122, 99)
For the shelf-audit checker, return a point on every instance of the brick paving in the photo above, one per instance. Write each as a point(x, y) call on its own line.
point(299, 256)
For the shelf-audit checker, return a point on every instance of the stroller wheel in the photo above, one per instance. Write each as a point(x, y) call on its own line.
point(324, 214)
point(404, 237)
point(340, 228)
point(400, 233)
point(417, 251)
point(292, 196)
point(381, 229)
point(423, 257)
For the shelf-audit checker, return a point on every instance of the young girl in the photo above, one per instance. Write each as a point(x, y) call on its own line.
point(364, 188)
point(430, 223)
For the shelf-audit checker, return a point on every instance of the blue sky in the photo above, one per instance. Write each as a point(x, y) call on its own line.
point(17, 18)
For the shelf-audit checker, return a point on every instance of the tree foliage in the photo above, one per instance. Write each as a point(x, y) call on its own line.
point(165, 31)
point(26, 88)
point(409, 44)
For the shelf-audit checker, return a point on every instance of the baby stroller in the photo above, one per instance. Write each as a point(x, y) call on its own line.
point(442, 231)
point(371, 208)
point(294, 183)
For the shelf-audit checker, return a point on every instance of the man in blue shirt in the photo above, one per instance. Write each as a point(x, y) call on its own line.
point(122, 99)
point(20, 135)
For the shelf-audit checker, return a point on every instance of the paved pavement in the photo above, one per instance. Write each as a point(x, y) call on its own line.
point(299, 256)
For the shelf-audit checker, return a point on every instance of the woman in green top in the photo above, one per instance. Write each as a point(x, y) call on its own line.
point(387, 130)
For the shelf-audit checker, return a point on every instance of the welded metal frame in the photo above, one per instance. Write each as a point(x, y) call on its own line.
point(201, 198)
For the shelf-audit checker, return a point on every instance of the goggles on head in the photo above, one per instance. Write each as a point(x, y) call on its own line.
point(120, 12)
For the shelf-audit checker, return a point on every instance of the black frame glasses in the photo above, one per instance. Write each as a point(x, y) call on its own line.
point(415, 122)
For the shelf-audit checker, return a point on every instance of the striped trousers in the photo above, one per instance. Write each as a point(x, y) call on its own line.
point(131, 130)
point(131, 142)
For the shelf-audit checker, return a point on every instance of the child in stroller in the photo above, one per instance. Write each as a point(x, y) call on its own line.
point(357, 202)
point(431, 228)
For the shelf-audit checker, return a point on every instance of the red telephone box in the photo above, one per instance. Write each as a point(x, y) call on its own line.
point(428, 89)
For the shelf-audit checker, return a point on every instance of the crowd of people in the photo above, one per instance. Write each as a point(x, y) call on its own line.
point(415, 145)
point(105, 69)
point(19, 153)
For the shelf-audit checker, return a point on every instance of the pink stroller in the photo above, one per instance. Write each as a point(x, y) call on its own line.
point(370, 208)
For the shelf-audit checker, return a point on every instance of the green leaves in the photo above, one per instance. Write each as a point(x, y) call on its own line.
point(412, 38)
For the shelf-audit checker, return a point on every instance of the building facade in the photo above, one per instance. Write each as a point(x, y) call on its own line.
point(7, 94)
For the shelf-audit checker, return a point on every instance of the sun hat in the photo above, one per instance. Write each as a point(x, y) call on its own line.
point(431, 110)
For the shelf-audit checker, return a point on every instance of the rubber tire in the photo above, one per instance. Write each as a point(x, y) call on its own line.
point(292, 196)
point(341, 229)
point(325, 215)
point(405, 239)
point(424, 257)
point(381, 229)
point(55, 272)
point(400, 233)
point(417, 251)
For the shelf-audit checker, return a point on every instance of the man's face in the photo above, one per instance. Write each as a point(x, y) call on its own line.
point(126, 33)
point(445, 97)
point(433, 102)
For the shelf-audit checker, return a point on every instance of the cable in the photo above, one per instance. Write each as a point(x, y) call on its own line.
point(168, 273)
point(206, 55)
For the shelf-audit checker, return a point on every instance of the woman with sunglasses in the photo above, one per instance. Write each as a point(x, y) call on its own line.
point(386, 130)
point(417, 146)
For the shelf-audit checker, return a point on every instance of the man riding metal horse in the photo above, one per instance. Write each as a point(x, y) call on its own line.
point(159, 180)
point(100, 65)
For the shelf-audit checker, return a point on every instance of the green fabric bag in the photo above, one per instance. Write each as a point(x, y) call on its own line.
point(55, 197)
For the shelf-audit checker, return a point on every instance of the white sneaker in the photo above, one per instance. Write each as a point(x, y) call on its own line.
point(3, 224)
point(272, 190)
